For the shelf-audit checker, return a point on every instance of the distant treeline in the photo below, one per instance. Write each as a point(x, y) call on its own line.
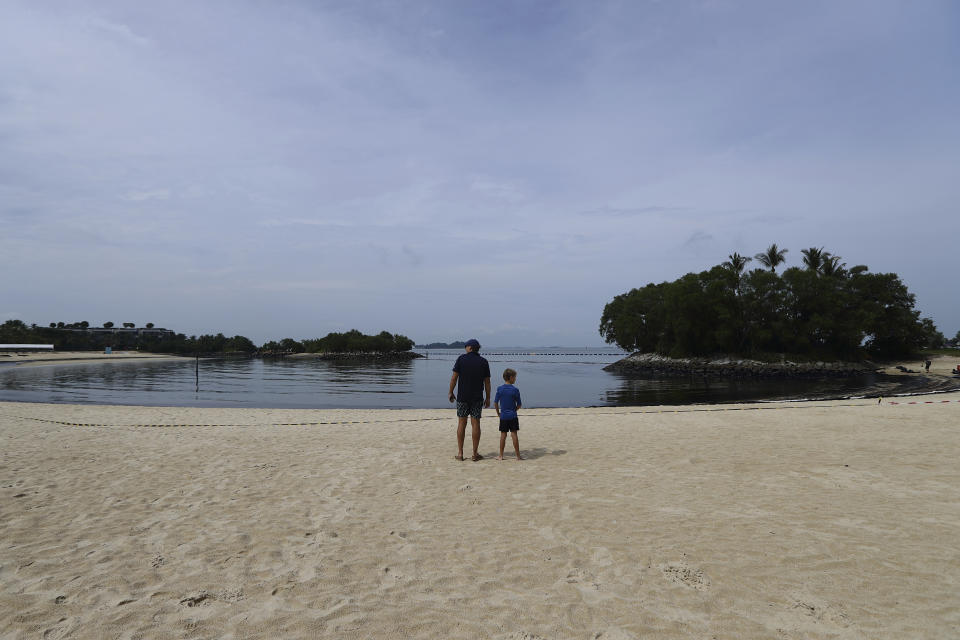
point(444, 345)
point(80, 336)
point(821, 311)
point(350, 342)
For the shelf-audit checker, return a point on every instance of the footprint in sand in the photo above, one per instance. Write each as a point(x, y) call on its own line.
point(823, 612)
point(615, 633)
point(591, 589)
point(681, 573)
point(196, 599)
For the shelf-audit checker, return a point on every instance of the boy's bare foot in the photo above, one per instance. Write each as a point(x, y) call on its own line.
point(520, 458)
point(460, 458)
point(499, 457)
point(476, 457)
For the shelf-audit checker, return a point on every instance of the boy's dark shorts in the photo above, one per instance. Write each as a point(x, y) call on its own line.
point(513, 424)
point(472, 409)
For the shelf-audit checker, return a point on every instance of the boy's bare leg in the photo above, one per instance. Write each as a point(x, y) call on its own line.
point(461, 435)
point(503, 441)
point(516, 445)
point(475, 423)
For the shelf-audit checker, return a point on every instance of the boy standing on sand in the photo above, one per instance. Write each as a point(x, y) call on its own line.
point(506, 402)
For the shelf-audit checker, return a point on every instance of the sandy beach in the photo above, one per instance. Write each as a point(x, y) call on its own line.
point(39, 358)
point(804, 520)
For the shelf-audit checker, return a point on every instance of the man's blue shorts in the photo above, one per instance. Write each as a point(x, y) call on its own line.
point(472, 409)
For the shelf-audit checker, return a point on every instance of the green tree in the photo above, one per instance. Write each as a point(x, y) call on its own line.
point(291, 345)
point(736, 263)
point(932, 337)
point(813, 258)
point(827, 313)
point(832, 267)
point(240, 344)
point(402, 343)
point(772, 257)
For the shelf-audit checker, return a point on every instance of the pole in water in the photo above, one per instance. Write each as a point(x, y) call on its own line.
point(198, 372)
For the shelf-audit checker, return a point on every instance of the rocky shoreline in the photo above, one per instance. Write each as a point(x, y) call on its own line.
point(655, 365)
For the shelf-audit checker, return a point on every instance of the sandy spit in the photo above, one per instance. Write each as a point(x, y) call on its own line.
point(796, 520)
point(40, 358)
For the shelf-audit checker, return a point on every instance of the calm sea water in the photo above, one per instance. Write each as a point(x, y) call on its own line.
point(547, 378)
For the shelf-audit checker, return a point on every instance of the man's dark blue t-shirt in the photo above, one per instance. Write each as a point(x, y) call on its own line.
point(472, 370)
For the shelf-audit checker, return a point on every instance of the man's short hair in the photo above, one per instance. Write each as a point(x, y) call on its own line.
point(509, 374)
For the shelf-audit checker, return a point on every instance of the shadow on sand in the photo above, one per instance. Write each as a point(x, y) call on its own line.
point(529, 454)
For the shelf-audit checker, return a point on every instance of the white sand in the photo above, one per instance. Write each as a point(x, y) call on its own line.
point(816, 520)
point(37, 358)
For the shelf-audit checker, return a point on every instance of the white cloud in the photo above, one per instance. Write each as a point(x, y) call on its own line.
point(150, 194)
point(119, 31)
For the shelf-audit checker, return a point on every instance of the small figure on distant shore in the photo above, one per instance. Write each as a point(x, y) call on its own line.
point(471, 377)
point(507, 402)
point(926, 366)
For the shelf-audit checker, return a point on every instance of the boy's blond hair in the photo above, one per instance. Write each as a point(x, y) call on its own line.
point(509, 374)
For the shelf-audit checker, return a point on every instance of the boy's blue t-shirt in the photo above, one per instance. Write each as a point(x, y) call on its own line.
point(509, 398)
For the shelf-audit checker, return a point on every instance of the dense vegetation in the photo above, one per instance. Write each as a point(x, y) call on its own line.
point(822, 310)
point(350, 342)
point(80, 336)
point(444, 345)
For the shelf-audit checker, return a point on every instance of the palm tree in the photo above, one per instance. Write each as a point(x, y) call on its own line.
point(832, 266)
point(772, 257)
point(813, 258)
point(736, 263)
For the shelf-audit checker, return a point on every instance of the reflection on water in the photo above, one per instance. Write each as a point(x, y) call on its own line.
point(673, 391)
point(545, 380)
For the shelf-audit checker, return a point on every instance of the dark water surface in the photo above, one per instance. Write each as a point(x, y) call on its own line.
point(547, 378)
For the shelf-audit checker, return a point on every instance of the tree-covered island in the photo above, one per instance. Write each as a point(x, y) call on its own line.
point(443, 345)
point(350, 345)
point(82, 336)
point(822, 311)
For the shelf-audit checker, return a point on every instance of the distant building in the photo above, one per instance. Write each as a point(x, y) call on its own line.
point(122, 331)
point(26, 347)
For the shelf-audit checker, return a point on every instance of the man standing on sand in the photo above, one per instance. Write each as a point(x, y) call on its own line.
point(471, 376)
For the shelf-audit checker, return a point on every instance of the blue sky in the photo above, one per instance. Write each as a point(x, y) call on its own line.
point(455, 169)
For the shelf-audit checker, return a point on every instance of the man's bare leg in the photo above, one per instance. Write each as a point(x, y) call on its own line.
point(503, 441)
point(461, 435)
point(475, 423)
point(516, 445)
